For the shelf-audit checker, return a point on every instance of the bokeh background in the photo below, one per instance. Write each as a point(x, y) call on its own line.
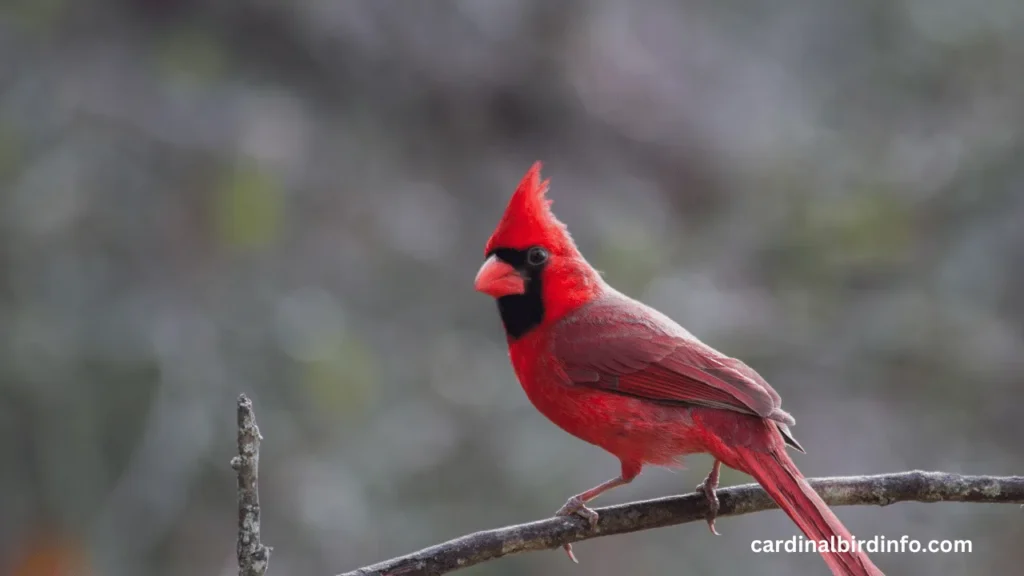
point(291, 198)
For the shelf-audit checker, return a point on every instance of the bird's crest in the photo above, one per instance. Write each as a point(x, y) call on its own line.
point(528, 219)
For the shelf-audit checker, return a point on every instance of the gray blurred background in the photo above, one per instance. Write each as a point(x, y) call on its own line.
point(291, 198)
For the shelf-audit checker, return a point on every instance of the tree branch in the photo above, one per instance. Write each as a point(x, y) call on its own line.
point(253, 556)
point(880, 490)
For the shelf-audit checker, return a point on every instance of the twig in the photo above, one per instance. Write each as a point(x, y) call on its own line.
point(881, 490)
point(253, 556)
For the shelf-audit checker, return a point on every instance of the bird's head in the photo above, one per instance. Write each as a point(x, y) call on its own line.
point(532, 267)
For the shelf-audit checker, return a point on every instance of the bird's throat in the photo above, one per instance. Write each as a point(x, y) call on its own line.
point(521, 313)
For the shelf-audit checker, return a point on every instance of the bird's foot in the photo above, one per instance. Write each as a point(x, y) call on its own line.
point(576, 506)
point(708, 487)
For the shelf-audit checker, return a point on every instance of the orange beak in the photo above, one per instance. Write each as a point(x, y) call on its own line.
point(497, 278)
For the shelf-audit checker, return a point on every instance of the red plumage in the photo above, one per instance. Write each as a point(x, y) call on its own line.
point(623, 376)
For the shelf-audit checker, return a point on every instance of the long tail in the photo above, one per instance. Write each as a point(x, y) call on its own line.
point(779, 476)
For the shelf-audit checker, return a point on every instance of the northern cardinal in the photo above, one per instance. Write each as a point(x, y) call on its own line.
point(614, 372)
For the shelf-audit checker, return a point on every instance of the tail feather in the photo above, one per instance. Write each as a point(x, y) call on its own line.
point(779, 476)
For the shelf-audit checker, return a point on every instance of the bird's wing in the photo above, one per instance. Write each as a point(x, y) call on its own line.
point(624, 347)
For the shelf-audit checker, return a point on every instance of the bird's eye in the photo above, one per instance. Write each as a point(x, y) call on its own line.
point(536, 256)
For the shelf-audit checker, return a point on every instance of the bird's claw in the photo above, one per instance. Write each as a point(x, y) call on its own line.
point(568, 550)
point(576, 506)
point(707, 487)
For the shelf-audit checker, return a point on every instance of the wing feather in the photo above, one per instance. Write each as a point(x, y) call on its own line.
point(623, 346)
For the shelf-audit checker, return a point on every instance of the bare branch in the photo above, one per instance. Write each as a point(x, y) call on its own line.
point(253, 556)
point(880, 490)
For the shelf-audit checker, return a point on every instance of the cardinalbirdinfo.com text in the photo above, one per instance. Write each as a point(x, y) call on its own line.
point(877, 544)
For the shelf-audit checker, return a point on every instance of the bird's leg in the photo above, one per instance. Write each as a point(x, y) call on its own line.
point(578, 503)
point(708, 487)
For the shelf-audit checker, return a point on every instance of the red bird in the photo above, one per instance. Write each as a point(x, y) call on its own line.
point(616, 373)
